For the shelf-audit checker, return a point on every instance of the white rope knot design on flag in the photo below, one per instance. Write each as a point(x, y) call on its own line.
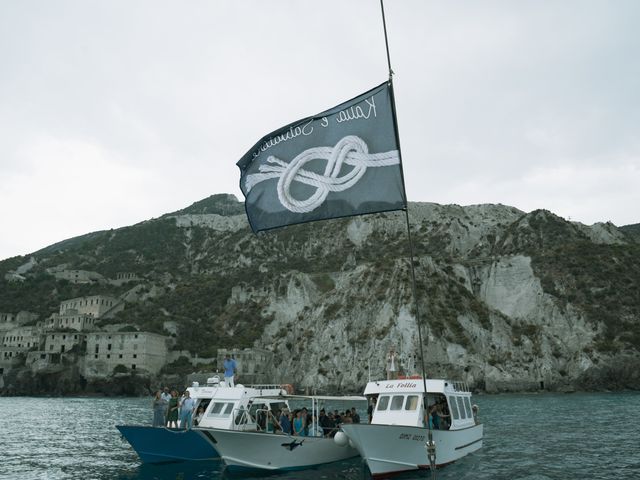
point(350, 150)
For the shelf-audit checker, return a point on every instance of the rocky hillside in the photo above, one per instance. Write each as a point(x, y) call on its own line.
point(508, 299)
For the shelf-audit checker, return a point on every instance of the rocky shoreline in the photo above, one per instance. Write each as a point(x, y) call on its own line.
point(622, 374)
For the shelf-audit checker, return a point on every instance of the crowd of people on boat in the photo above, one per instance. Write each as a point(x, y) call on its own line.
point(437, 414)
point(302, 423)
point(174, 410)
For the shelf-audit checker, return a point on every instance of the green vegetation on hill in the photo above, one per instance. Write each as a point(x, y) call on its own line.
point(187, 274)
point(632, 231)
point(40, 293)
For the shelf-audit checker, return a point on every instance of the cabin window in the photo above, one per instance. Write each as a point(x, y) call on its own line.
point(221, 409)
point(397, 402)
point(454, 408)
point(383, 403)
point(461, 407)
point(412, 402)
point(467, 406)
point(216, 409)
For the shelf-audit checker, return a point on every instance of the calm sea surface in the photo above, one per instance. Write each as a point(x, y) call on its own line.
point(532, 437)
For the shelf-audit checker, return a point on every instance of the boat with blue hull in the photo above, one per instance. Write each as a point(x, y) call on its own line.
point(157, 445)
point(220, 403)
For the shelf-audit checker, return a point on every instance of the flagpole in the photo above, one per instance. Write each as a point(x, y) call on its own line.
point(431, 451)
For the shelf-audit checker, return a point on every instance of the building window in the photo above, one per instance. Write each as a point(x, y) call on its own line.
point(95, 356)
point(120, 356)
point(108, 356)
point(109, 346)
point(133, 366)
point(135, 355)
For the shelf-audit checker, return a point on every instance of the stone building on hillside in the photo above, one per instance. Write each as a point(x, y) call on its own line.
point(124, 277)
point(64, 342)
point(81, 313)
point(21, 337)
point(10, 357)
point(254, 365)
point(135, 350)
point(10, 321)
point(78, 276)
point(97, 306)
point(16, 342)
point(78, 322)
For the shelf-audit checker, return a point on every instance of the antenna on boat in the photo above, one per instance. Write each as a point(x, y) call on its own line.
point(430, 446)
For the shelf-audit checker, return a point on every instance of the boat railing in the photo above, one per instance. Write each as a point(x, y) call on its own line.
point(461, 387)
point(266, 386)
point(242, 419)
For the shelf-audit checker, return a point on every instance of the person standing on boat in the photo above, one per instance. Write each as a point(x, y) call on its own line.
point(354, 415)
point(298, 424)
point(229, 365)
point(392, 364)
point(371, 408)
point(285, 423)
point(166, 396)
point(186, 410)
point(159, 408)
point(172, 414)
point(325, 423)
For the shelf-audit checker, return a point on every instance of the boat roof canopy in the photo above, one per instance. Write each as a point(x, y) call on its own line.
point(333, 398)
point(412, 385)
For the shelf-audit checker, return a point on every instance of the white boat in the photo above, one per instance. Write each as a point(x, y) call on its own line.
point(255, 448)
point(396, 439)
point(162, 444)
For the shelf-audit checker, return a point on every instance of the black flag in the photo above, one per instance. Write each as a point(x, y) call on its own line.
point(341, 162)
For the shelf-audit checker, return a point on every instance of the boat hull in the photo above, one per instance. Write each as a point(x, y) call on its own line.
point(389, 449)
point(274, 452)
point(159, 444)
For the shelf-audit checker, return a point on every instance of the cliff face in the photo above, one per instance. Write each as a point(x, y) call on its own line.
point(508, 300)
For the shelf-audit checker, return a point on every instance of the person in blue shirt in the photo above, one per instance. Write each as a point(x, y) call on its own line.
point(229, 370)
point(285, 423)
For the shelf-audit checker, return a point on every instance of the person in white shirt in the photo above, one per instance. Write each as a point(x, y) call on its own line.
point(392, 364)
point(187, 406)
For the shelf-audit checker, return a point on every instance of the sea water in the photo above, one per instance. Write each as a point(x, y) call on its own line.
point(527, 437)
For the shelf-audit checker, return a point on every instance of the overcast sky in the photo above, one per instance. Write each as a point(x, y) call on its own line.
point(114, 112)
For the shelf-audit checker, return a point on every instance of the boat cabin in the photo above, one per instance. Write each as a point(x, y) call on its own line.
point(401, 402)
point(243, 408)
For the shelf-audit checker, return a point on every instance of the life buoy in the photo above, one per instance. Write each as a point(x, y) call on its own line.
point(287, 387)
